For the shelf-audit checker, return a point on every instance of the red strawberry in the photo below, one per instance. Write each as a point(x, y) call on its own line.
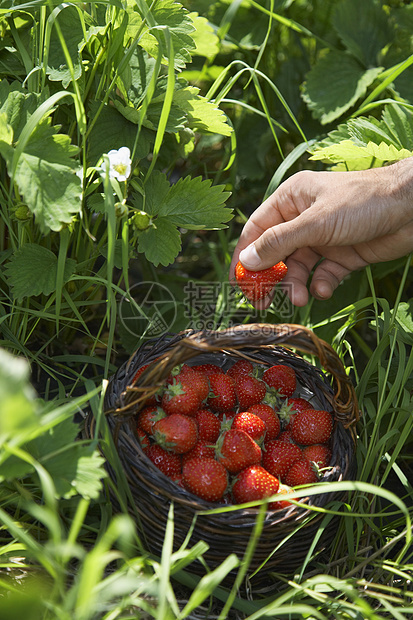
point(282, 378)
point(147, 417)
point(279, 456)
point(236, 450)
point(312, 426)
point(195, 379)
point(205, 478)
point(223, 396)
point(139, 372)
point(177, 433)
point(249, 390)
point(258, 284)
point(252, 483)
point(320, 454)
point(167, 462)
point(286, 436)
point(283, 491)
point(208, 425)
point(202, 449)
point(301, 472)
point(270, 418)
point(143, 439)
point(208, 369)
point(240, 368)
point(290, 407)
point(251, 424)
point(181, 398)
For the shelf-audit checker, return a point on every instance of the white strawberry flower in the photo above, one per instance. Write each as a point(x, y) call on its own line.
point(119, 163)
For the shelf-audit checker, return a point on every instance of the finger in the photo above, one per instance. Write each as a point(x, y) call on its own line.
point(278, 242)
point(300, 265)
point(327, 276)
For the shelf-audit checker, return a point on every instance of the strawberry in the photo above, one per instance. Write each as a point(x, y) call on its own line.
point(282, 378)
point(139, 372)
point(312, 426)
point(240, 368)
point(143, 439)
point(177, 433)
point(282, 503)
point(270, 418)
point(208, 425)
point(195, 379)
point(223, 396)
point(290, 407)
point(301, 472)
point(236, 450)
point(258, 284)
point(167, 462)
point(152, 399)
point(279, 456)
point(251, 424)
point(286, 436)
point(205, 478)
point(252, 483)
point(202, 449)
point(208, 369)
point(320, 454)
point(249, 390)
point(179, 397)
point(147, 417)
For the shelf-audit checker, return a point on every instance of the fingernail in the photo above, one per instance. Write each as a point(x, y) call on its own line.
point(249, 257)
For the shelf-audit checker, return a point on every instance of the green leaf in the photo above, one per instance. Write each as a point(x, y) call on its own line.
point(6, 130)
point(117, 259)
point(360, 157)
point(18, 105)
point(194, 203)
point(206, 41)
point(112, 131)
point(173, 15)
point(17, 409)
point(347, 82)
point(72, 32)
point(203, 116)
point(364, 29)
point(45, 175)
point(32, 271)
point(398, 121)
point(160, 243)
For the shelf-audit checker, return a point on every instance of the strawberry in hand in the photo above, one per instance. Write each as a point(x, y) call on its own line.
point(258, 284)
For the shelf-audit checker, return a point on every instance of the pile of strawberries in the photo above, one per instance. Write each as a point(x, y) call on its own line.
point(235, 436)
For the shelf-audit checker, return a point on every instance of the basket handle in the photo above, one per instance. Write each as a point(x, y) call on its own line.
point(253, 335)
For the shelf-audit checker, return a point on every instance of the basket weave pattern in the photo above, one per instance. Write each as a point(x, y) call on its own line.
point(229, 532)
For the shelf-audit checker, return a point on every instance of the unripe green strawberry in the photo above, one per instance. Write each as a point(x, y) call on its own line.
point(141, 220)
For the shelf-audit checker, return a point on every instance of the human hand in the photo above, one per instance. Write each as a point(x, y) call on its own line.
point(349, 219)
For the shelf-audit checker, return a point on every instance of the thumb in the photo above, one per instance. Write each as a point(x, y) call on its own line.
point(278, 242)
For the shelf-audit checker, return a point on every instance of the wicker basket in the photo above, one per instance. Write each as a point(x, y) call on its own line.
point(229, 532)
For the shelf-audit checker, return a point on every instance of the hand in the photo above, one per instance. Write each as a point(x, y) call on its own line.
point(349, 219)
